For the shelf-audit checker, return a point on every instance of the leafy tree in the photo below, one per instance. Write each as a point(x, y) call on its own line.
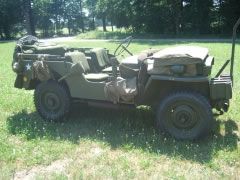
point(73, 13)
point(231, 12)
point(102, 9)
point(91, 6)
point(43, 16)
point(28, 16)
point(57, 10)
point(10, 13)
point(196, 15)
point(152, 16)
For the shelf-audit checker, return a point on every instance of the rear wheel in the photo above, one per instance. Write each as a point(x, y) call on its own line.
point(185, 115)
point(52, 101)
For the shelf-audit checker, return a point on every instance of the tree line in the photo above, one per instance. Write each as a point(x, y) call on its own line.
point(49, 17)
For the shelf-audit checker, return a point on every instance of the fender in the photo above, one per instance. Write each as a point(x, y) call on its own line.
point(28, 78)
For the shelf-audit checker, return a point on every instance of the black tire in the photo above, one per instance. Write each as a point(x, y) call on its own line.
point(185, 115)
point(52, 101)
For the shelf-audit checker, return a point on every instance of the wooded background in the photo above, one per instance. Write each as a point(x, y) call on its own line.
point(174, 17)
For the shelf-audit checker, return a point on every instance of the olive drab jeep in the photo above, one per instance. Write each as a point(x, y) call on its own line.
point(176, 82)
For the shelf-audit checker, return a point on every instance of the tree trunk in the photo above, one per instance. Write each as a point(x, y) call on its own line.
point(6, 31)
point(83, 28)
point(104, 23)
point(220, 17)
point(93, 23)
point(69, 28)
point(112, 25)
point(82, 20)
point(29, 23)
point(1, 33)
point(178, 8)
point(57, 25)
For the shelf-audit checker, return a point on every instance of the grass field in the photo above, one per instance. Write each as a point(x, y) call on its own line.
point(101, 144)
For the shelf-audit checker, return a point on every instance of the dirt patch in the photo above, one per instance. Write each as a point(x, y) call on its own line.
point(58, 167)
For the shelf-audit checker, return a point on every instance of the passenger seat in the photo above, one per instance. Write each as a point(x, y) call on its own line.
point(80, 58)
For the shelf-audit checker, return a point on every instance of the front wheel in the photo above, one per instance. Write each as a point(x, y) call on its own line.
point(185, 115)
point(52, 101)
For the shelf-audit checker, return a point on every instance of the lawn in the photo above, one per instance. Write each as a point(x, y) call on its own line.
point(97, 143)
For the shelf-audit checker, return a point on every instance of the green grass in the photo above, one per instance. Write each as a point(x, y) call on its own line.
point(99, 143)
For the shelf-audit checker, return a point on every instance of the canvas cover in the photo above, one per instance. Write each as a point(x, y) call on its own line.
point(180, 55)
point(121, 89)
point(189, 70)
point(188, 56)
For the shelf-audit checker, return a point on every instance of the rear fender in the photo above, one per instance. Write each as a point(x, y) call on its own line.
point(158, 87)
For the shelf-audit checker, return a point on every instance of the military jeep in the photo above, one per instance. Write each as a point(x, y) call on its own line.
point(176, 82)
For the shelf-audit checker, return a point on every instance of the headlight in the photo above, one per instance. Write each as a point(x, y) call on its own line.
point(16, 67)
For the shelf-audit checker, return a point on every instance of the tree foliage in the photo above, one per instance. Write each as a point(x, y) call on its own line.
point(10, 16)
point(152, 16)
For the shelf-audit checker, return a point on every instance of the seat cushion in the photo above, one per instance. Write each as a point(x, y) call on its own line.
point(109, 69)
point(98, 77)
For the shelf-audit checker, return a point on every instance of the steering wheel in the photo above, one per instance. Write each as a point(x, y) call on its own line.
point(123, 46)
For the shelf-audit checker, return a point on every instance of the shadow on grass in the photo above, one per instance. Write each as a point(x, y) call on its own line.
point(129, 129)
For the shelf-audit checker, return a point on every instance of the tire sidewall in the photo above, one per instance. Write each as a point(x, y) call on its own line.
point(60, 91)
point(200, 104)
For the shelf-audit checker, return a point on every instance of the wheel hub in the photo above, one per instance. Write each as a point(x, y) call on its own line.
point(51, 101)
point(183, 117)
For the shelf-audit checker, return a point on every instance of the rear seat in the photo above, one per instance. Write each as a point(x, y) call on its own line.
point(80, 58)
